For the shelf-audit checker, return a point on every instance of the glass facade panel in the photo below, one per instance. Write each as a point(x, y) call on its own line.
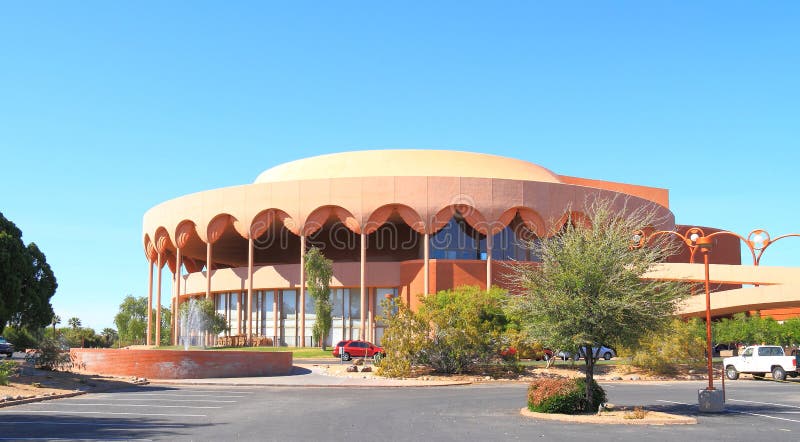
point(233, 321)
point(458, 240)
point(289, 317)
point(380, 298)
point(267, 313)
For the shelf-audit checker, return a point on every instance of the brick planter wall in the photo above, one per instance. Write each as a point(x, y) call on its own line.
point(179, 364)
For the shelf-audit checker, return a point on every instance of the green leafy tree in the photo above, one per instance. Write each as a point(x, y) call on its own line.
point(319, 271)
point(166, 326)
point(790, 332)
point(26, 281)
point(131, 320)
point(588, 289)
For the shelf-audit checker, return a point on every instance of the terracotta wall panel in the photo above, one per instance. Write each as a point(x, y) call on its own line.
point(443, 192)
point(313, 195)
point(413, 192)
point(479, 192)
point(505, 195)
point(376, 192)
point(286, 196)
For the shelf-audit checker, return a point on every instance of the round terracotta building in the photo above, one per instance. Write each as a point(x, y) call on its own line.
point(395, 223)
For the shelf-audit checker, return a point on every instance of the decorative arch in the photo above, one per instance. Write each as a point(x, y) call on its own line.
point(266, 218)
point(163, 242)
point(184, 232)
point(382, 214)
point(470, 214)
point(149, 249)
point(216, 227)
point(317, 218)
point(530, 219)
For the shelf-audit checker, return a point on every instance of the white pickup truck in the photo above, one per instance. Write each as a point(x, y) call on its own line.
point(759, 360)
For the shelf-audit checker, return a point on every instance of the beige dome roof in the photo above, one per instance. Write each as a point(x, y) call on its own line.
point(408, 162)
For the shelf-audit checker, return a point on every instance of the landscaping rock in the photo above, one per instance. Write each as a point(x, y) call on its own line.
point(352, 369)
point(366, 369)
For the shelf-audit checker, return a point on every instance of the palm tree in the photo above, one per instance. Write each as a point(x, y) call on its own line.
point(56, 321)
point(109, 334)
point(74, 322)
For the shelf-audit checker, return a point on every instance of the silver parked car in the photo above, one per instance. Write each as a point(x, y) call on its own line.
point(599, 352)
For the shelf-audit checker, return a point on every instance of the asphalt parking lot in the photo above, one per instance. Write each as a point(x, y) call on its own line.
point(756, 410)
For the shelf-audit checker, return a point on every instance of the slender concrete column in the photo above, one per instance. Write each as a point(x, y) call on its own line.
point(150, 304)
point(426, 263)
point(159, 266)
point(250, 289)
point(177, 284)
point(208, 270)
point(302, 308)
point(362, 330)
point(209, 338)
point(489, 245)
point(275, 317)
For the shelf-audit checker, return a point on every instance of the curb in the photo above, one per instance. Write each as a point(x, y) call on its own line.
point(300, 385)
point(667, 419)
point(41, 398)
point(57, 396)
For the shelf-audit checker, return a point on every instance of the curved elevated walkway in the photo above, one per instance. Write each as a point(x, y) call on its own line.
point(770, 287)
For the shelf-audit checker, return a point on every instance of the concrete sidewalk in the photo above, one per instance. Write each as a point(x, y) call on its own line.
point(312, 375)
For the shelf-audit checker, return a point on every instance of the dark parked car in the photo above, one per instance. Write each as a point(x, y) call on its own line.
point(545, 355)
point(355, 348)
point(6, 347)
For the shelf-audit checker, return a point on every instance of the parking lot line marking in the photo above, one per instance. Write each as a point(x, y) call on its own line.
point(171, 394)
point(673, 402)
point(125, 405)
point(56, 438)
point(94, 424)
point(763, 403)
point(113, 413)
point(158, 400)
point(766, 416)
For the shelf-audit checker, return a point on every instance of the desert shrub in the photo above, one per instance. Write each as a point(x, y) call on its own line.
point(49, 355)
point(562, 395)
point(467, 326)
point(454, 331)
point(7, 369)
point(404, 337)
point(679, 344)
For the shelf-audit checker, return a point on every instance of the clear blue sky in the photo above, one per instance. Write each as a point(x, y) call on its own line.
point(109, 108)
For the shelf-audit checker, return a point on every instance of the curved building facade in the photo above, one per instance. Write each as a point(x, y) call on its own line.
point(395, 223)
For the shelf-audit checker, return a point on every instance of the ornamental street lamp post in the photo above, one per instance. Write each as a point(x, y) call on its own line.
point(705, 244)
point(710, 400)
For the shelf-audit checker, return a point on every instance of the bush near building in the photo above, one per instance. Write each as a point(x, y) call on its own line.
point(454, 331)
point(680, 344)
point(564, 395)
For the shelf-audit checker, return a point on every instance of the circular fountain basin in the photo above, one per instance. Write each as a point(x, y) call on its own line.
point(180, 364)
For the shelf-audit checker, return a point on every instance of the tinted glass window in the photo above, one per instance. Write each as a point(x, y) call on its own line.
point(748, 352)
